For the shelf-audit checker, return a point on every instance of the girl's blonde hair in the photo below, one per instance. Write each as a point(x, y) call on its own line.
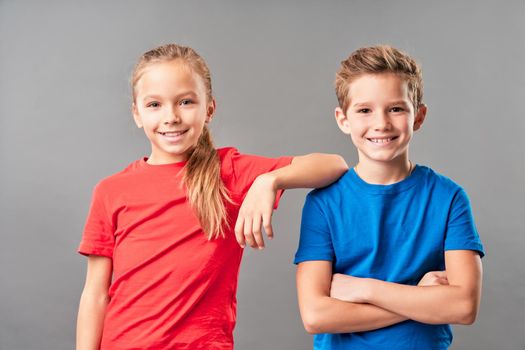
point(376, 60)
point(206, 191)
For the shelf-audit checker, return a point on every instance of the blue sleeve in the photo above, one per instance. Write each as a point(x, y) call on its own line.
point(461, 231)
point(315, 242)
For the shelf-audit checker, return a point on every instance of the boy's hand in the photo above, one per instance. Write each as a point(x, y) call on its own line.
point(349, 288)
point(434, 278)
point(256, 212)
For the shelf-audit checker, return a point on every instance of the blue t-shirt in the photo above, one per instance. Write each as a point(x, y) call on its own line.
point(394, 233)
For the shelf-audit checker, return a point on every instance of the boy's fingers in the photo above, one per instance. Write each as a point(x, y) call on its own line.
point(267, 223)
point(257, 234)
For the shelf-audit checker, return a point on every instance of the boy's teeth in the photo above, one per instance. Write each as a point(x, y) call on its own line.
point(381, 140)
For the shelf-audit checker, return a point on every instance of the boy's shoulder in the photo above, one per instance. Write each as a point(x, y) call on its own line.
point(335, 189)
point(426, 177)
point(442, 182)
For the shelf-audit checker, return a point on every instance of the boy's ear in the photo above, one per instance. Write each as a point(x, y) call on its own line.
point(210, 110)
point(420, 116)
point(342, 121)
point(136, 115)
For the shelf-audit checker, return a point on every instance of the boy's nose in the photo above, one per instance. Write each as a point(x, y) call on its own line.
point(382, 121)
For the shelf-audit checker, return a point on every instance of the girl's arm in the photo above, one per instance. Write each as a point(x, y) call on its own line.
point(309, 171)
point(456, 303)
point(93, 302)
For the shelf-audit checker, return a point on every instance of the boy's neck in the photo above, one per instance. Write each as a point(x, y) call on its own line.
point(384, 173)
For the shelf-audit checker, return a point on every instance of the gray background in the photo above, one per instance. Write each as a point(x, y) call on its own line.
point(66, 123)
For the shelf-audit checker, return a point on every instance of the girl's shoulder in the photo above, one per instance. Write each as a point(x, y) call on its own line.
point(120, 177)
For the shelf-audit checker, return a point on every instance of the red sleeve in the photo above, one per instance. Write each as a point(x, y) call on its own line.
point(242, 169)
point(98, 236)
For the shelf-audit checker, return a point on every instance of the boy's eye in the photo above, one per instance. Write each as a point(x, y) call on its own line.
point(153, 104)
point(186, 102)
point(364, 110)
point(397, 109)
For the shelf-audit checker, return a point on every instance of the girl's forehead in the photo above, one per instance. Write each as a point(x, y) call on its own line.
point(169, 77)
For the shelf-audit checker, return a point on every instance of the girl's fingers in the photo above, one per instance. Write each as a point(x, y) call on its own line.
point(248, 235)
point(267, 223)
point(239, 231)
point(257, 234)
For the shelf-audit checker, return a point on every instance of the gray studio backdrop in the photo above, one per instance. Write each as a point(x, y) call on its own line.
point(66, 123)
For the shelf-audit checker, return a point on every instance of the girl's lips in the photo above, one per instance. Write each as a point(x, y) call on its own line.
point(172, 136)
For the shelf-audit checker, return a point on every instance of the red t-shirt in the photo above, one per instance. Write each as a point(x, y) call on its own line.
point(172, 288)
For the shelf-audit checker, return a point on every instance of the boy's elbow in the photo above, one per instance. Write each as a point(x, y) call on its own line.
point(312, 322)
point(469, 315)
point(469, 312)
point(315, 318)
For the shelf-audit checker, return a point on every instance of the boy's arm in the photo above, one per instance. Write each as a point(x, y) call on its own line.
point(309, 171)
point(456, 303)
point(93, 302)
point(323, 314)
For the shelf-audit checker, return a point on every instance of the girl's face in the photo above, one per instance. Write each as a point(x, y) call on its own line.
point(172, 107)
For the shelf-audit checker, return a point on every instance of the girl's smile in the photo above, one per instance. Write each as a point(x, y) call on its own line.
point(172, 106)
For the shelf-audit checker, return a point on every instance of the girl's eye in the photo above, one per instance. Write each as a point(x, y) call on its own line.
point(153, 104)
point(364, 110)
point(397, 109)
point(186, 102)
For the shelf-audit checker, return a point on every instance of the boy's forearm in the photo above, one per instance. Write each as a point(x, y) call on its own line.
point(329, 315)
point(428, 304)
point(309, 171)
point(90, 321)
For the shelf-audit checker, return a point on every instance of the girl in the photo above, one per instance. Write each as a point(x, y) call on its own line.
point(162, 257)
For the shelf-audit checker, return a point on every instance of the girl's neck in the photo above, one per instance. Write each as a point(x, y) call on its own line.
point(384, 173)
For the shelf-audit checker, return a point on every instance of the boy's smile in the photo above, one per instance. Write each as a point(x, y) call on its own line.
point(380, 118)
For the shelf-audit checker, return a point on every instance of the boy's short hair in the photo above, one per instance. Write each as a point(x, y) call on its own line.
point(376, 60)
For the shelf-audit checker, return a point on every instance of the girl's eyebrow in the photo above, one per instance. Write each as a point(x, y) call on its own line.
point(159, 97)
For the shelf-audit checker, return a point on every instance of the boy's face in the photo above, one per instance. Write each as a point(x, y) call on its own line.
point(380, 118)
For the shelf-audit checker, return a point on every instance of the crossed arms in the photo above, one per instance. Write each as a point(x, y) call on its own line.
point(344, 304)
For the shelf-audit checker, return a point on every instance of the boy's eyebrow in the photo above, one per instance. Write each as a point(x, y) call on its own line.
point(185, 93)
point(362, 104)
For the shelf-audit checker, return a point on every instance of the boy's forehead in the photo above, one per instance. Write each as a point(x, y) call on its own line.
point(383, 87)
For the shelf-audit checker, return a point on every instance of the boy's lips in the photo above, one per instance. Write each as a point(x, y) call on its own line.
point(381, 140)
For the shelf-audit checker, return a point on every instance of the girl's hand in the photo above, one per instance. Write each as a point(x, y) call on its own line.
point(256, 212)
point(434, 278)
point(349, 288)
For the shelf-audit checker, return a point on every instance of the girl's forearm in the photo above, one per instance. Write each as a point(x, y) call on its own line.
point(309, 171)
point(90, 321)
point(428, 304)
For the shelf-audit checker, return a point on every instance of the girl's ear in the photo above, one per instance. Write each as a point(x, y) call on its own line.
point(210, 110)
point(136, 115)
point(342, 121)
point(420, 116)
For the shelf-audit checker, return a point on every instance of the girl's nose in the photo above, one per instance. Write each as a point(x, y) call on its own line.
point(172, 117)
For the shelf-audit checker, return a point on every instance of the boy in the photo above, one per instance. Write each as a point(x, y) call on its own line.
point(389, 254)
